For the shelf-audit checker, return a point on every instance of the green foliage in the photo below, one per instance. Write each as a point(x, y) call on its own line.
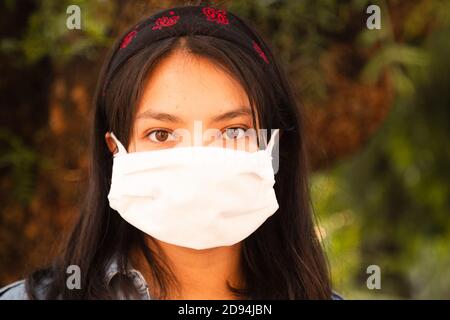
point(21, 160)
point(48, 35)
point(397, 194)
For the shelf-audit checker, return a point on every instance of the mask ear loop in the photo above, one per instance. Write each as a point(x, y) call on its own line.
point(272, 140)
point(120, 147)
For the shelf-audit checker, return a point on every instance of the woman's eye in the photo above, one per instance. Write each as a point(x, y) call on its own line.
point(234, 133)
point(161, 136)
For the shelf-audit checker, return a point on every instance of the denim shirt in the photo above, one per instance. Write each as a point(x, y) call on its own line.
point(17, 291)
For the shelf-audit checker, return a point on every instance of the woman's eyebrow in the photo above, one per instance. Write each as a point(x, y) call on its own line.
point(242, 111)
point(161, 116)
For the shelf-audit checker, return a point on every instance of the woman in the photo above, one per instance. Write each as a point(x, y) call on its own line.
point(162, 222)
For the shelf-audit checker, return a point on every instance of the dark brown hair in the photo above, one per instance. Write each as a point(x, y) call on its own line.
point(283, 259)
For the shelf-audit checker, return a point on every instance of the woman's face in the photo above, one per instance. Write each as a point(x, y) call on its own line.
point(189, 101)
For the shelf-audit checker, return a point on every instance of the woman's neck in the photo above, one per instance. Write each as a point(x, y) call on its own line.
point(200, 274)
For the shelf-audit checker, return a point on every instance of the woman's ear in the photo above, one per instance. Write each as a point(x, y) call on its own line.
point(112, 146)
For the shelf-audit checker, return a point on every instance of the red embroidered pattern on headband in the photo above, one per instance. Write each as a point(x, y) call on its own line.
point(165, 21)
point(260, 52)
point(219, 16)
point(126, 41)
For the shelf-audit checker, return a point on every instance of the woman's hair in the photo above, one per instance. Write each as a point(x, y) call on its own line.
point(282, 259)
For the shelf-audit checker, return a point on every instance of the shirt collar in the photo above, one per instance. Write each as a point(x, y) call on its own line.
point(133, 274)
point(112, 270)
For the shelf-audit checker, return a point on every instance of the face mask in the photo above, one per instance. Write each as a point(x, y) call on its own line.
point(194, 197)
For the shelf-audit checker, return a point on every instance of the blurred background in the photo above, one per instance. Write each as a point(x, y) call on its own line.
point(378, 110)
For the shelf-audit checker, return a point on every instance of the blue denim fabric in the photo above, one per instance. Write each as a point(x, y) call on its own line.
point(17, 290)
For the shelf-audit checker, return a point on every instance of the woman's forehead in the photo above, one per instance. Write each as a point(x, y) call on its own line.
point(191, 87)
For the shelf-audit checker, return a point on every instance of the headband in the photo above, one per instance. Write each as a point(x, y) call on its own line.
point(182, 21)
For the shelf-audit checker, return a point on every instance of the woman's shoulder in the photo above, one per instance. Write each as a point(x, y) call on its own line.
point(19, 290)
point(14, 291)
point(336, 296)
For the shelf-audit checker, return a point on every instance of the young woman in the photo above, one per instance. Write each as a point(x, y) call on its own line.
point(161, 221)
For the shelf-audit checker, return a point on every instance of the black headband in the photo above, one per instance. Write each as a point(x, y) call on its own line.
point(181, 21)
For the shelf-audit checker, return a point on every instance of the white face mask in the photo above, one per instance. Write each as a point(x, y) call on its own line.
point(195, 197)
